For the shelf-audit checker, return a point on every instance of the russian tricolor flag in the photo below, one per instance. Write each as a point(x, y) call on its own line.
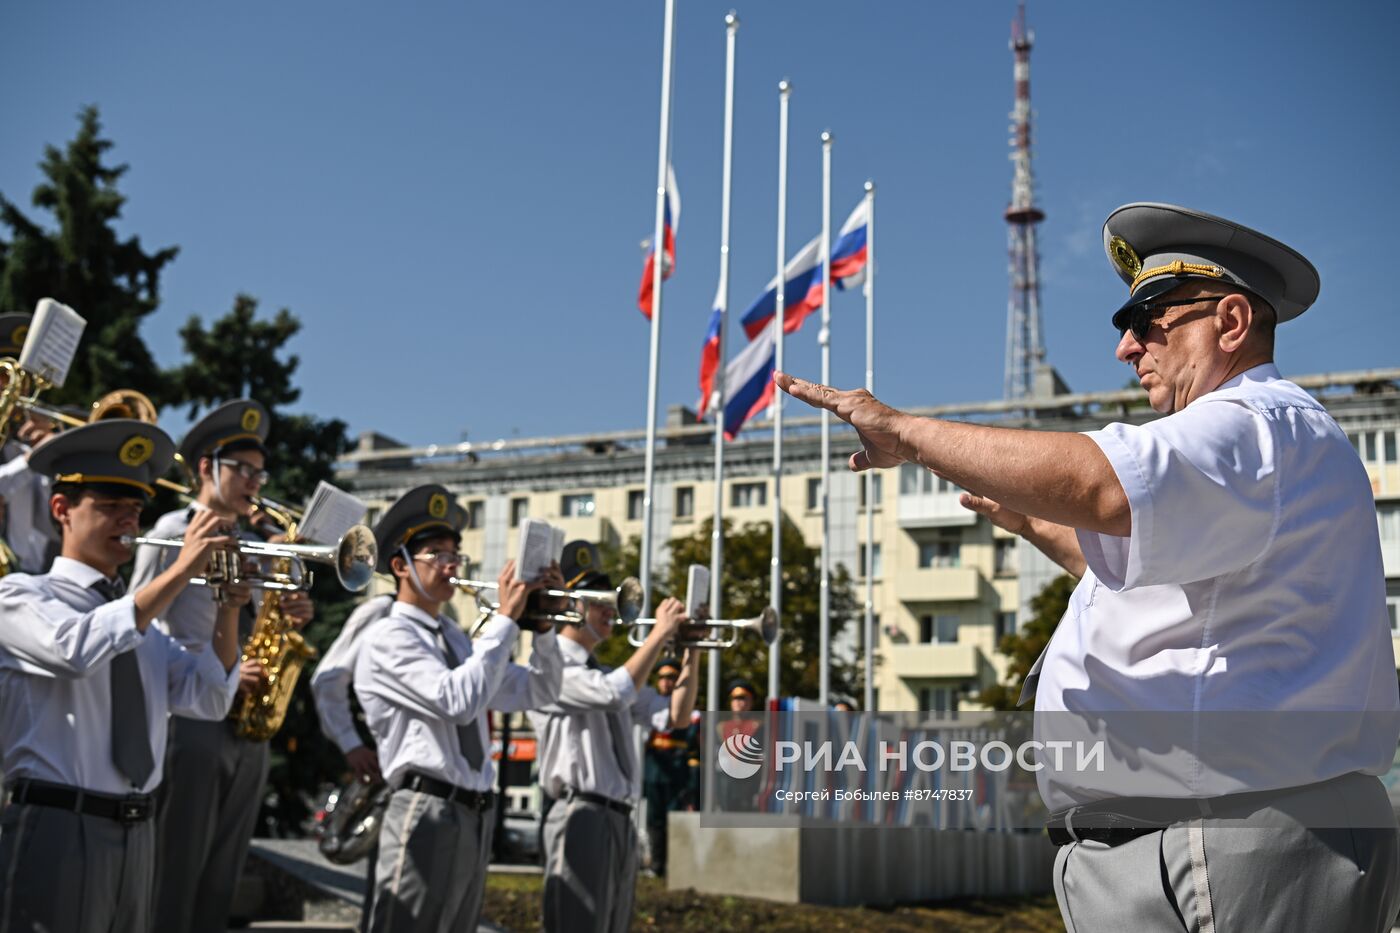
point(709, 354)
point(748, 381)
point(803, 292)
point(670, 225)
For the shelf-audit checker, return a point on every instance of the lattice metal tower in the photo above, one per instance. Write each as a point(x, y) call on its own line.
point(1025, 343)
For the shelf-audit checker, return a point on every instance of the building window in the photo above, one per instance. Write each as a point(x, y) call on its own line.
point(1006, 624)
point(579, 505)
point(865, 568)
point(877, 485)
point(635, 504)
point(1392, 606)
point(748, 495)
point(685, 501)
point(938, 700)
point(476, 514)
point(814, 495)
point(944, 552)
point(938, 630)
point(1390, 437)
point(1388, 518)
point(914, 480)
point(519, 511)
point(1004, 556)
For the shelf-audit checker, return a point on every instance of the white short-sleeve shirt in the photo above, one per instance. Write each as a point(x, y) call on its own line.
point(1251, 582)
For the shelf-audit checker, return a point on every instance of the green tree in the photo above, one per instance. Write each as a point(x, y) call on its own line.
point(112, 282)
point(747, 562)
point(1024, 647)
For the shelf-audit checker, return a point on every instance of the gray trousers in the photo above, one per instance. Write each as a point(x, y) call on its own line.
point(1264, 870)
point(65, 872)
point(590, 871)
point(430, 876)
point(208, 809)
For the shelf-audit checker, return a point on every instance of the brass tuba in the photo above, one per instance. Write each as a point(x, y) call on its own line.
point(350, 828)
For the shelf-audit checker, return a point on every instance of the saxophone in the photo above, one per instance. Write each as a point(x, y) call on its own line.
point(278, 647)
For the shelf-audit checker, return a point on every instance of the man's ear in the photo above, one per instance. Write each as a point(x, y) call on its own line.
point(1234, 316)
point(59, 507)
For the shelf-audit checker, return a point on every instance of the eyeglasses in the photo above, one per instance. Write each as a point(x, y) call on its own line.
point(442, 558)
point(1140, 319)
point(246, 470)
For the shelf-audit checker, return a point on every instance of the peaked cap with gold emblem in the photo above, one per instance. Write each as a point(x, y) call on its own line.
point(423, 508)
point(1156, 247)
point(582, 566)
point(243, 422)
point(14, 327)
point(122, 455)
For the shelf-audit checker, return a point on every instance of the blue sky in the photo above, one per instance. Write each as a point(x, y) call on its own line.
point(452, 196)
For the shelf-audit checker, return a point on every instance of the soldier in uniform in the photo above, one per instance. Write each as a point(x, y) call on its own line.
point(24, 493)
point(209, 804)
point(425, 688)
point(672, 760)
point(86, 683)
point(589, 762)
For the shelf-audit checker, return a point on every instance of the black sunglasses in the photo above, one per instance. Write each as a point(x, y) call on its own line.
point(1140, 319)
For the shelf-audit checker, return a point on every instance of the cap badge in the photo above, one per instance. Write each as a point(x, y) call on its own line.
point(136, 451)
point(18, 335)
point(437, 505)
point(251, 419)
point(584, 557)
point(1124, 257)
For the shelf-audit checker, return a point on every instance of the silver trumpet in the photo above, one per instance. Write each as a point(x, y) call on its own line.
point(626, 600)
point(711, 633)
point(353, 558)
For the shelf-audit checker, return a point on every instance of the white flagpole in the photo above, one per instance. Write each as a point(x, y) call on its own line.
point(779, 321)
point(731, 27)
point(824, 338)
point(658, 245)
point(870, 474)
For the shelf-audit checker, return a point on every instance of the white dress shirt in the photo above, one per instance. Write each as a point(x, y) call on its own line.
point(336, 673)
point(576, 747)
point(1252, 582)
point(57, 641)
point(28, 528)
point(414, 702)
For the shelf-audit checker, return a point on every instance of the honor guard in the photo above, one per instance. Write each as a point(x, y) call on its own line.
point(209, 806)
point(590, 766)
point(671, 768)
point(1229, 631)
point(24, 493)
point(86, 683)
point(425, 688)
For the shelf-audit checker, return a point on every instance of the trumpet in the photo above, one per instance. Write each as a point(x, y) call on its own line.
point(712, 633)
point(626, 600)
point(353, 558)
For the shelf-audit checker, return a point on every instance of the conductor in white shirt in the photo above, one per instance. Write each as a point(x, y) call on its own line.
point(425, 688)
point(1230, 575)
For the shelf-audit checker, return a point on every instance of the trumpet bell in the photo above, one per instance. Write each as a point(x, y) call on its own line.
point(355, 558)
point(629, 601)
point(767, 627)
point(124, 403)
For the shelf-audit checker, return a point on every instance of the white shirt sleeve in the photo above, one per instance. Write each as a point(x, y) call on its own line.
point(586, 688)
point(330, 684)
point(407, 673)
point(532, 686)
point(199, 687)
point(1203, 491)
point(48, 636)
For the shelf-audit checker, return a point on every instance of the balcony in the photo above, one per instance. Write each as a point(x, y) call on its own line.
point(938, 585)
point(1390, 557)
point(939, 510)
point(937, 660)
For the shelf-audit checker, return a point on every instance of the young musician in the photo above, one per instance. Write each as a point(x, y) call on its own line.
point(425, 688)
point(86, 683)
point(209, 805)
point(590, 764)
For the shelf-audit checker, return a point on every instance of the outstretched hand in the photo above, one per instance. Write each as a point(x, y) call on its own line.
point(877, 424)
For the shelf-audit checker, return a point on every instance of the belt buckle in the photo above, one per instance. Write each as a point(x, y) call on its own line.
point(131, 811)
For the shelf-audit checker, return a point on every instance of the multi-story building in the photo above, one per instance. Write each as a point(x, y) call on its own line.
point(947, 584)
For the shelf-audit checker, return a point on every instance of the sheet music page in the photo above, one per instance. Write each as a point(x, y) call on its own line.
point(697, 592)
point(52, 341)
point(330, 513)
point(540, 544)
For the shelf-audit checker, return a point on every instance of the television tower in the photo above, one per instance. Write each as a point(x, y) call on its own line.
point(1025, 344)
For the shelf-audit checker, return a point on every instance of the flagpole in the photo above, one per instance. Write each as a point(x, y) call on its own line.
point(779, 321)
point(824, 338)
point(731, 28)
point(658, 245)
point(870, 474)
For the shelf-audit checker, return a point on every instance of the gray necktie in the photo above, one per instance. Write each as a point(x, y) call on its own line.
point(617, 731)
point(468, 736)
point(131, 742)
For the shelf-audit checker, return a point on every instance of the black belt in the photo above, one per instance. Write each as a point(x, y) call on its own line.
point(617, 806)
point(427, 784)
point(136, 808)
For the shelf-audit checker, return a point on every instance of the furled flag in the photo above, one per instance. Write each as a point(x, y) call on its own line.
point(803, 292)
point(748, 381)
point(709, 353)
point(671, 222)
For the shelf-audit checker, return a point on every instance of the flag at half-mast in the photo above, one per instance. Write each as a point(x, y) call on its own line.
point(802, 293)
point(670, 223)
point(709, 353)
point(748, 381)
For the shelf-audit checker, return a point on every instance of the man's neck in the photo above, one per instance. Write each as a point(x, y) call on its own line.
point(579, 635)
point(210, 500)
point(108, 570)
point(409, 594)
